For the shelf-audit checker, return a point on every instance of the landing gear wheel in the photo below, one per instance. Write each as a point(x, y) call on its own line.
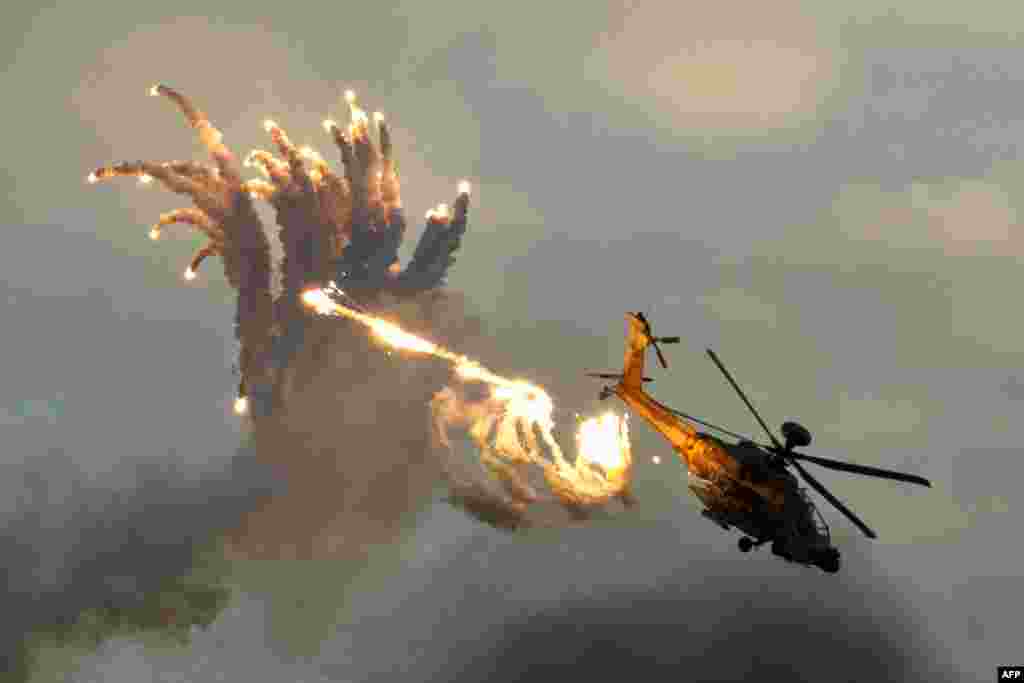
point(830, 563)
point(745, 545)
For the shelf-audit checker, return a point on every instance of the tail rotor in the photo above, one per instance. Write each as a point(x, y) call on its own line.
point(655, 340)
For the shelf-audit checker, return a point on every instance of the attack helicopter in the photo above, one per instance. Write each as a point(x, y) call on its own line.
point(745, 484)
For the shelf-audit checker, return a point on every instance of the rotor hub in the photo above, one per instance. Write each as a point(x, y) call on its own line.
point(796, 435)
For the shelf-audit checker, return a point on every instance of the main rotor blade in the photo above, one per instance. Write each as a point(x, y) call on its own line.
point(746, 400)
point(863, 469)
point(704, 423)
point(820, 488)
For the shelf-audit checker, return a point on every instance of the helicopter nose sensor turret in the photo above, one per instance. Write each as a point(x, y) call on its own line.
point(796, 435)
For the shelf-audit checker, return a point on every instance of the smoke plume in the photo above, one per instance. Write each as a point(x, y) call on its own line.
point(356, 436)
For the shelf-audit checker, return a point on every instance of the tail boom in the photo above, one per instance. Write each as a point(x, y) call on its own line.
point(703, 457)
point(637, 341)
point(631, 390)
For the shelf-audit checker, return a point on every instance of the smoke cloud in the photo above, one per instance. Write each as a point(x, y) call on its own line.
point(339, 425)
point(139, 560)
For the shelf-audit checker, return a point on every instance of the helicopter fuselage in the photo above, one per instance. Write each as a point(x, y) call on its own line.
point(797, 532)
point(739, 484)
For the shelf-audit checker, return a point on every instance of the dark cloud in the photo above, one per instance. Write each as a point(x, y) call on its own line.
point(352, 440)
point(744, 635)
point(987, 615)
point(117, 553)
point(107, 521)
point(641, 218)
point(654, 603)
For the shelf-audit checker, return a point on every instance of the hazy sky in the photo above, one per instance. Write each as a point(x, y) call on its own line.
point(828, 193)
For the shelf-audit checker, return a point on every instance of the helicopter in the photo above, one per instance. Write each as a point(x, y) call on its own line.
point(746, 485)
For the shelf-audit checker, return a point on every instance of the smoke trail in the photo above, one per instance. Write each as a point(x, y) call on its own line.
point(204, 194)
point(513, 429)
point(198, 258)
point(189, 216)
point(303, 234)
point(208, 135)
point(362, 436)
point(322, 219)
point(359, 460)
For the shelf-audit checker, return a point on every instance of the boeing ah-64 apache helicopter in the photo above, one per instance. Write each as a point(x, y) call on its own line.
point(745, 484)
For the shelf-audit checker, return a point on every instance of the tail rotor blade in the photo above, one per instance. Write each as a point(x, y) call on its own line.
point(661, 356)
point(654, 340)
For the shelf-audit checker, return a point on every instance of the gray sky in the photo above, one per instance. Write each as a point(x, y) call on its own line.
point(828, 195)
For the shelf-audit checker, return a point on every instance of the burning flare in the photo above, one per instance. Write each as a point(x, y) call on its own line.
point(506, 426)
point(388, 332)
point(349, 225)
point(603, 441)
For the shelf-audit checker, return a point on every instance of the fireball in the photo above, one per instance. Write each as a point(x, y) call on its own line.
point(604, 441)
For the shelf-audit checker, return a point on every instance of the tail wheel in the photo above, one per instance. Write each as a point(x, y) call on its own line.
point(745, 545)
